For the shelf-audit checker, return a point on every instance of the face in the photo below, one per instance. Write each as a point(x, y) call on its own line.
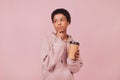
point(60, 22)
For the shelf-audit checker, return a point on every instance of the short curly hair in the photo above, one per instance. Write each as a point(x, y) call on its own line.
point(61, 11)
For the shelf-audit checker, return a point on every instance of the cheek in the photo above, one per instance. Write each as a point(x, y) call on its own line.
point(65, 24)
point(54, 25)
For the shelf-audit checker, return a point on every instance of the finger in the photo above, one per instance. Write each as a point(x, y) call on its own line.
point(77, 59)
point(77, 53)
point(60, 31)
point(76, 56)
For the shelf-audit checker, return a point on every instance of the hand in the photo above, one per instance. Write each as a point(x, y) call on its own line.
point(77, 55)
point(60, 34)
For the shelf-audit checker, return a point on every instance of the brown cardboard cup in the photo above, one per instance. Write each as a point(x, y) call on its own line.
point(73, 48)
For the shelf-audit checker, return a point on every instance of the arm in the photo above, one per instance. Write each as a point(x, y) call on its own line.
point(50, 54)
point(74, 65)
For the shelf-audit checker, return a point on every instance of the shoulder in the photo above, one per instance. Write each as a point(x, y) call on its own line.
point(50, 38)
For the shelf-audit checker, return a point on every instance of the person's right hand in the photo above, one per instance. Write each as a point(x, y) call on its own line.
point(60, 34)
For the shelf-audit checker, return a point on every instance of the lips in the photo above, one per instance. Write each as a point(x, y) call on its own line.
point(59, 28)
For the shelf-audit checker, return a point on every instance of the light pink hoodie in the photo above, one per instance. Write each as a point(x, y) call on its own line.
point(55, 63)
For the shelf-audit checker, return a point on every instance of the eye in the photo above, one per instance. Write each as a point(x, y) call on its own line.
point(54, 21)
point(62, 19)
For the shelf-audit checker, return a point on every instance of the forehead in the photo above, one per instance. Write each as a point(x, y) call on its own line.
point(59, 16)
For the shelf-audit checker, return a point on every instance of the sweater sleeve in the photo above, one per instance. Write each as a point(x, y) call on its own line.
point(74, 65)
point(51, 53)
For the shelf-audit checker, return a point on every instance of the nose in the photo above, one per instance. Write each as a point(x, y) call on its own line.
point(59, 23)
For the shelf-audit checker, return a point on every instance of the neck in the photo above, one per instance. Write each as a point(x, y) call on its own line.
point(65, 37)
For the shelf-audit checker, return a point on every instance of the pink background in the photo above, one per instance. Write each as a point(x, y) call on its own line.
point(24, 23)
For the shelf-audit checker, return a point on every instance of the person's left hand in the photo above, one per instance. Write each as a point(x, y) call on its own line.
point(77, 55)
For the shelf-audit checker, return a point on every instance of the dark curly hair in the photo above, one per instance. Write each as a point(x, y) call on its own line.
point(61, 11)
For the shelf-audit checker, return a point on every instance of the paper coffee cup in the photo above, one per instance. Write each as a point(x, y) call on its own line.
point(73, 48)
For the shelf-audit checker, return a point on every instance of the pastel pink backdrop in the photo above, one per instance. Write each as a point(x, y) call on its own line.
point(24, 23)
